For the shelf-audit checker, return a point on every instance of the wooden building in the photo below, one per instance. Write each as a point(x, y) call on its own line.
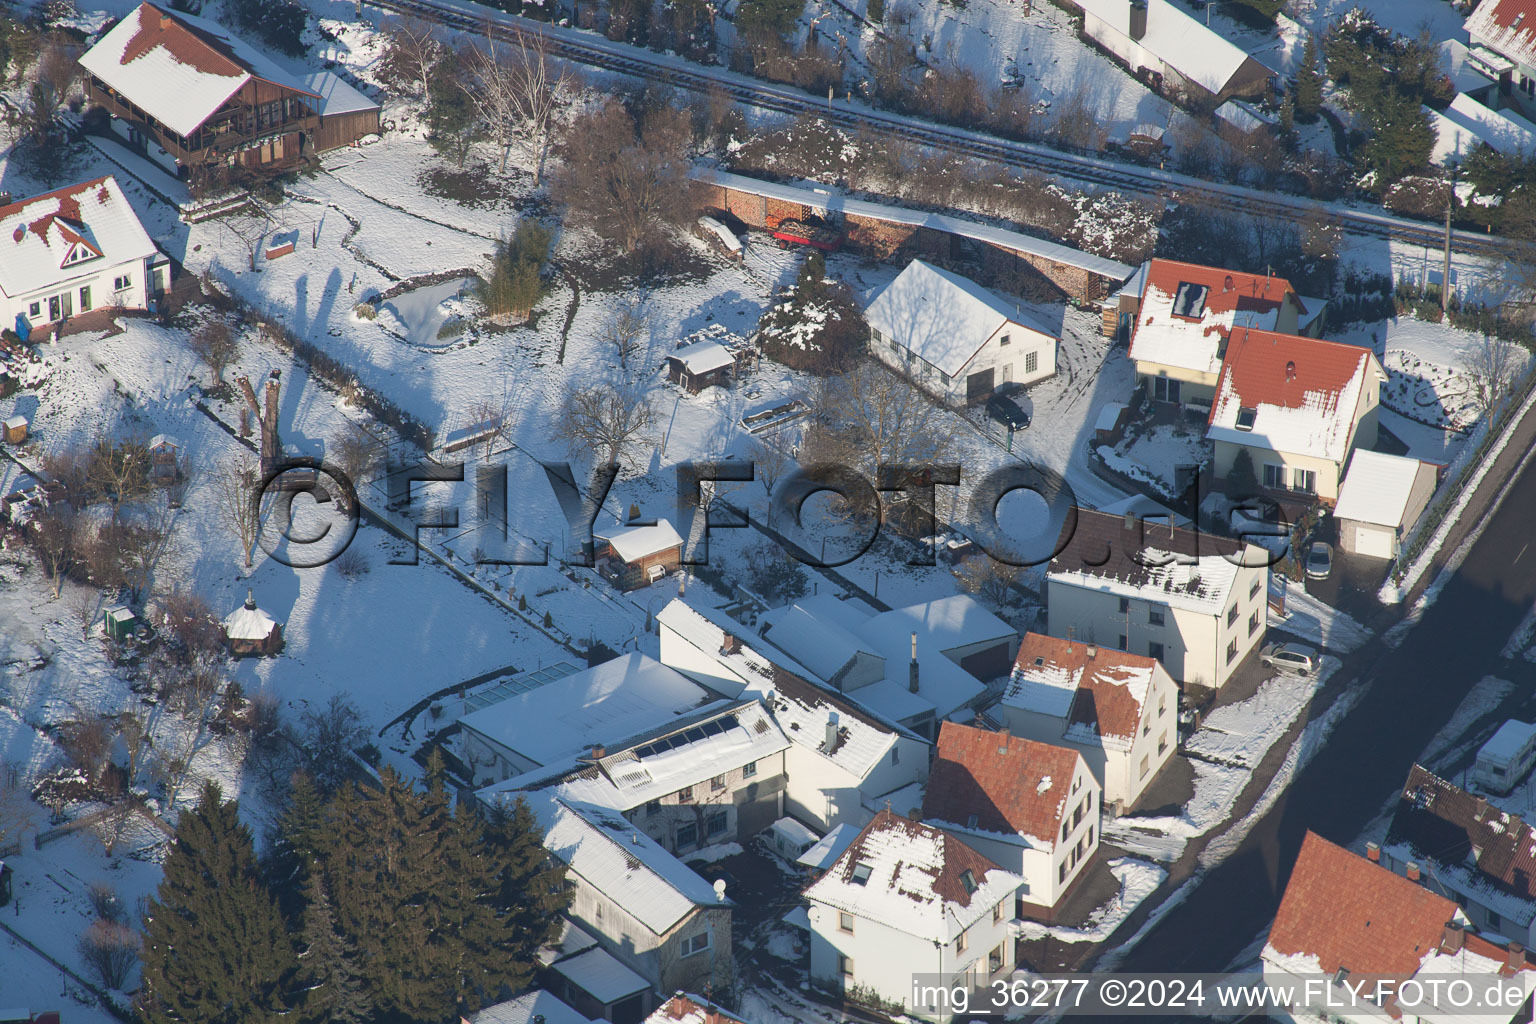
point(637, 555)
point(188, 94)
point(249, 630)
point(701, 365)
point(16, 430)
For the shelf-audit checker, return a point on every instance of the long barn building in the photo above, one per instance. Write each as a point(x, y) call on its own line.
point(881, 231)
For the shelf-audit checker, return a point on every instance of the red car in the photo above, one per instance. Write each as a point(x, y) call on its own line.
point(814, 233)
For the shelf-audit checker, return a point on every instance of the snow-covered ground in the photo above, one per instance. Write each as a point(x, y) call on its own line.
point(1311, 619)
point(1138, 879)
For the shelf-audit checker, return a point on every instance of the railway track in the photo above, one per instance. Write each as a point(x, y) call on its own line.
point(595, 51)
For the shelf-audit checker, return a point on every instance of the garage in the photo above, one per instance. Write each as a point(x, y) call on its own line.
point(978, 387)
point(1374, 541)
point(1381, 500)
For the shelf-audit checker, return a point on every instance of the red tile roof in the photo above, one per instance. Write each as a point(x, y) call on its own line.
point(1103, 701)
point(1268, 368)
point(691, 1009)
point(1010, 784)
point(959, 858)
point(1444, 822)
point(184, 43)
point(1229, 289)
point(1351, 913)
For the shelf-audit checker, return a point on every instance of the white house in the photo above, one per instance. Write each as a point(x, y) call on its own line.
point(1162, 43)
point(1032, 807)
point(645, 907)
point(1297, 406)
point(903, 898)
point(1119, 710)
point(1477, 854)
point(1344, 919)
point(841, 757)
point(1507, 29)
point(74, 250)
point(954, 337)
point(1380, 500)
point(1195, 602)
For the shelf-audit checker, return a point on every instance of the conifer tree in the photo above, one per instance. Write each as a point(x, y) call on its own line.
point(330, 980)
point(216, 950)
point(1309, 83)
point(532, 889)
point(302, 837)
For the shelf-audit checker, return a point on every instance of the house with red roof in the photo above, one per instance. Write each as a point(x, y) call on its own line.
point(1346, 917)
point(1183, 317)
point(72, 251)
point(1119, 710)
point(187, 93)
point(906, 897)
point(1296, 408)
point(1032, 807)
point(1503, 38)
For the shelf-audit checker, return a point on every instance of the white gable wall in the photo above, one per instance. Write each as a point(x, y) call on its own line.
point(46, 305)
point(1009, 362)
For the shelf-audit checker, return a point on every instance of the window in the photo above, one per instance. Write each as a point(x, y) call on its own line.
point(1031, 362)
point(861, 872)
point(1165, 390)
point(35, 309)
point(685, 795)
point(1005, 339)
point(1064, 826)
point(1189, 300)
point(1090, 799)
point(1253, 588)
point(845, 922)
point(1304, 480)
point(1061, 872)
point(972, 820)
point(687, 834)
point(1162, 706)
point(1231, 615)
point(1146, 727)
point(1146, 765)
point(717, 783)
point(1274, 476)
point(995, 960)
point(895, 755)
point(997, 913)
point(1090, 837)
point(696, 944)
point(845, 965)
point(1125, 642)
point(968, 880)
point(123, 283)
point(85, 298)
point(960, 943)
point(716, 823)
point(653, 807)
point(1253, 623)
point(1077, 784)
point(1154, 616)
point(1155, 651)
point(749, 769)
point(1245, 417)
point(1125, 605)
point(1231, 651)
point(1162, 743)
point(1494, 920)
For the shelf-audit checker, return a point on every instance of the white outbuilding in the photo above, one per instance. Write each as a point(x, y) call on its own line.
point(1380, 501)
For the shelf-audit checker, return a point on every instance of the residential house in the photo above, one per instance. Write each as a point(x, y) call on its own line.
point(1343, 917)
point(685, 1008)
point(638, 554)
point(536, 1007)
point(646, 908)
point(1476, 854)
point(187, 94)
point(1165, 46)
point(1119, 710)
point(1181, 323)
point(1380, 502)
point(249, 630)
point(1467, 123)
point(960, 627)
point(74, 250)
point(1031, 807)
point(893, 664)
point(954, 337)
point(1503, 38)
point(1195, 602)
point(908, 897)
point(1296, 407)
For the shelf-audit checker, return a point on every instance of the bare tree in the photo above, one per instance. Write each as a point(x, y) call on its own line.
point(626, 324)
point(110, 948)
point(215, 345)
point(518, 91)
point(412, 53)
point(611, 423)
point(357, 453)
point(770, 464)
point(1494, 368)
point(69, 470)
point(869, 417)
point(84, 604)
point(55, 79)
point(119, 470)
point(988, 579)
point(492, 418)
point(141, 545)
point(17, 811)
point(331, 734)
point(54, 532)
point(238, 498)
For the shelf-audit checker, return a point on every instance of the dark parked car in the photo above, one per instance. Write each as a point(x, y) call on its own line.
point(1007, 412)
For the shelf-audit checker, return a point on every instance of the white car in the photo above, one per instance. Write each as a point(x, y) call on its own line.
point(1319, 560)
point(1295, 658)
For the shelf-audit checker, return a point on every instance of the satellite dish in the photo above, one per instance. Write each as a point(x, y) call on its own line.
point(720, 889)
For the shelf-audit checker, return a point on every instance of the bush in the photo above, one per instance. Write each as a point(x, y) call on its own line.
point(106, 902)
point(352, 564)
point(110, 949)
point(819, 328)
point(365, 311)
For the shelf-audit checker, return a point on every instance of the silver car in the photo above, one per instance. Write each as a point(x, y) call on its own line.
point(1319, 560)
point(1297, 659)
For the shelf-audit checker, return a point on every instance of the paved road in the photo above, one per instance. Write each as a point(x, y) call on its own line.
point(1415, 689)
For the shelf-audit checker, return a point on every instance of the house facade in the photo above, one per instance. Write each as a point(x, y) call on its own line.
point(955, 338)
point(908, 897)
point(1297, 407)
point(1164, 46)
point(72, 251)
point(1119, 710)
point(1031, 807)
point(1196, 603)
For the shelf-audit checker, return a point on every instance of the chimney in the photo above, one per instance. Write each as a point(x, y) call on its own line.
point(832, 729)
point(1452, 939)
point(1227, 284)
point(1482, 808)
point(165, 21)
point(730, 644)
point(1092, 650)
point(1515, 960)
point(1373, 853)
point(598, 751)
point(912, 668)
point(1138, 19)
point(720, 890)
point(634, 839)
point(250, 599)
point(1290, 370)
point(1130, 520)
point(1516, 824)
point(1411, 871)
point(678, 1006)
point(634, 511)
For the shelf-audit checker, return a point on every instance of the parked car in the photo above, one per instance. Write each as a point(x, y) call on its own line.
point(1007, 412)
point(1295, 658)
point(1319, 560)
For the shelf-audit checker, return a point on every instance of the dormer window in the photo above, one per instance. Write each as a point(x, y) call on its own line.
point(972, 821)
point(1245, 417)
point(79, 254)
point(1189, 300)
point(861, 873)
point(968, 879)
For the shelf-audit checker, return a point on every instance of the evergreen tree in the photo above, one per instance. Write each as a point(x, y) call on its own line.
point(1401, 139)
point(216, 950)
point(532, 889)
point(453, 123)
point(1288, 121)
point(329, 976)
point(1309, 83)
point(302, 838)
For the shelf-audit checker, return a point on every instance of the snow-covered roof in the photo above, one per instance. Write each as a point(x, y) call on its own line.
point(15, 422)
point(703, 356)
point(336, 96)
point(1245, 116)
point(829, 847)
point(726, 236)
point(804, 710)
point(165, 441)
point(951, 622)
point(606, 703)
point(720, 640)
point(993, 783)
point(1109, 415)
point(1188, 310)
point(632, 543)
point(572, 939)
point(1291, 394)
point(1176, 567)
point(1466, 122)
point(823, 202)
point(248, 623)
point(1184, 43)
point(942, 318)
point(88, 226)
point(1505, 745)
point(1099, 693)
point(940, 682)
point(601, 975)
point(1467, 73)
point(178, 68)
point(621, 862)
point(1376, 488)
point(815, 640)
point(538, 1004)
point(915, 878)
point(1509, 26)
